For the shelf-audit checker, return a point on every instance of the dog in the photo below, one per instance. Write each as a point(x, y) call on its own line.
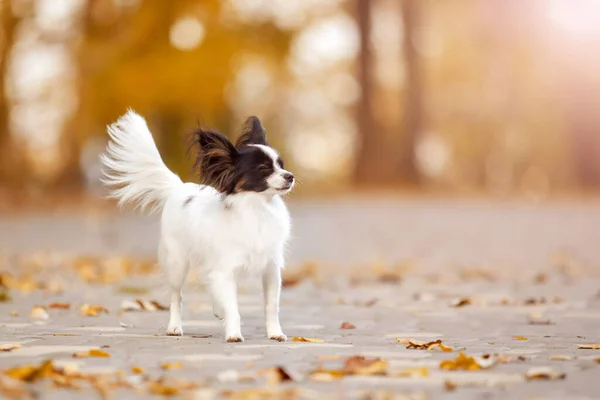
point(232, 224)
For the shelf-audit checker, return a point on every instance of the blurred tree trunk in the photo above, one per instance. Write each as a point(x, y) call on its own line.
point(413, 101)
point(12, 160)
point(370, 160)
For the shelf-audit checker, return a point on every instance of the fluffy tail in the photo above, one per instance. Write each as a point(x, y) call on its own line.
point(134, 171)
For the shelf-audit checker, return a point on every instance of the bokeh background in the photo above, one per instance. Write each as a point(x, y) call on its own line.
point(495, 97)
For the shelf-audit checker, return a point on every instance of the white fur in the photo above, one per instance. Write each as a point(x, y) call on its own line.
point(224, 238)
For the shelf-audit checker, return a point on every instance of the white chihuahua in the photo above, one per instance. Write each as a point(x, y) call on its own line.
point(235, 222)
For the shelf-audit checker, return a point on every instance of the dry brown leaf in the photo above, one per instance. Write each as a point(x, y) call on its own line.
point(416, 372)
point(347, 325)
point(462, 361)
point(60, 306)
point(171, 365)
point(589, 346)
point(545, 373)
point(359, 365)
point(9, 347)
point(142, 305)
point(450, 386)
point(137, 370)
point(4, 295)
point(92, 310)
point(276, 375)
point(308, 340)
point(132, 290)
point(520, 338)
point(292, 278)
point(39, 312)
point(429, 346)
point(91, 353)
point(465, 301)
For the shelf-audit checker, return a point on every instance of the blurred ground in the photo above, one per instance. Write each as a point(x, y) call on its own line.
point(516, 281)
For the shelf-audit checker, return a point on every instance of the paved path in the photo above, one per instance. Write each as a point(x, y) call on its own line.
point(471, 255)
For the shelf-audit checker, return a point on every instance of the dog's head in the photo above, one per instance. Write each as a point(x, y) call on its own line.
point(250, 165)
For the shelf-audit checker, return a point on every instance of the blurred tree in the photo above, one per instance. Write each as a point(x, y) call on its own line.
point(369, 161)
point(13, 167)
point(413, 102)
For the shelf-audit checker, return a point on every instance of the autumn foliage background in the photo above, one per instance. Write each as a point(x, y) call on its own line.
point(499, 97)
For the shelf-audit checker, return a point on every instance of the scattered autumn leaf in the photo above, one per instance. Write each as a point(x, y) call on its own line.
point(31, 373)
point(39, 312)
point(4, 295)
point(137, 370)
point(359, 365)
point(416, 372)
point(171, 365)
point(92, 310)
point(260, 393)
point(9, 347)
point(545, 373)
point(60, 306)
point(465, 301)
point(326, 375)
point(589, 346)
point(309, 340)
point(276, 374)
point(142, 305)
point(347, 325)
point(520, 338)
point(450, 386)
point(292, 278)
point(14, 313)
point(559, 357)
point(465, 362)
point(329, 357)
point(91, 353)
point(435, 345)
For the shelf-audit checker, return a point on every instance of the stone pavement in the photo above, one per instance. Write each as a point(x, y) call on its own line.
point(476, 297)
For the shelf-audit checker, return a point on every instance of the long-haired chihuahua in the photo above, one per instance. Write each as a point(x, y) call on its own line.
point(233, 223)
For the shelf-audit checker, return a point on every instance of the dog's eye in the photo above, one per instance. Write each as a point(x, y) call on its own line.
point(263, 167)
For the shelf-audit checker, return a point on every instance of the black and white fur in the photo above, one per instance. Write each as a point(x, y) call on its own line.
point(234, 223)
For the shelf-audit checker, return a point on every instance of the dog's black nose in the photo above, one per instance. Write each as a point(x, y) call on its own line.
point(288, 177)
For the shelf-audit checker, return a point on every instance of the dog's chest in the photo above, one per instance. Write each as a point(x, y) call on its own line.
point(261, 233)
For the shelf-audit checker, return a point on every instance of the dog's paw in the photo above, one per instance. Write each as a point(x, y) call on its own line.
point(175, 331)
point(235, 339)
point(279, 338)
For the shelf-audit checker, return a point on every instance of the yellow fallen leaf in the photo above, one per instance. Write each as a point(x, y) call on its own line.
point(31, 373)
point(91, 353)
point(462, 361)
point(14, 313)
point(9, 347)
point(309, 340)
point(137, 370)
point(39, 312)
point(416, 372)
point(589, 346)
point(171, 365)
point(91, 310)
point(559, 357)
point(161, 389)
point(329, 357)
point(326, 375)
point(520, 338)
point(450, 386)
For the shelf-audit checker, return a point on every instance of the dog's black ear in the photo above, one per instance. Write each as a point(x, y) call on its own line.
point(215, 160)
point(253, 132)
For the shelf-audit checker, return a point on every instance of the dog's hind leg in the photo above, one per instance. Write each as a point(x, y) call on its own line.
point(176, 270)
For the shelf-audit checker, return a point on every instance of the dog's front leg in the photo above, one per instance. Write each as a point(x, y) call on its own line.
point(271, 292)
point(223, 291)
